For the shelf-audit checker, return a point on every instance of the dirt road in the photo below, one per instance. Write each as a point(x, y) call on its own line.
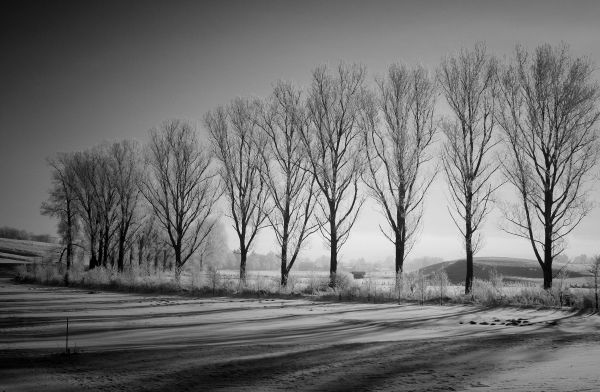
point(150, 343)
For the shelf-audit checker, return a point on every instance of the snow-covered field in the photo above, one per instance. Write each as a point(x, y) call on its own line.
point(149, 342)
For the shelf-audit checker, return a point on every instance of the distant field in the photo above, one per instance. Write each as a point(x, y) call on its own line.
point(513, 270)
point(24, 252)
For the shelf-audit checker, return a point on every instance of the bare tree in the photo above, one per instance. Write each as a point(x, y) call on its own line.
point(96, 202)
point(61, 203)
point(549, 114)
point(290, 184)
point(180, 188)
point(469, 85)
point(237, 145)
point(214, 247)
point(85, 169)
point(105, 195)
point(126, 173)
point(399, 130)
point(146, 236)
point(334, 145)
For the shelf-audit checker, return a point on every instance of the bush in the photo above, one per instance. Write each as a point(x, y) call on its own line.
point(292, 283)
point(533, 296)
point(214, 278)
point(486, 292)
point(368, 289)
point(316, 284)
point(342, 281)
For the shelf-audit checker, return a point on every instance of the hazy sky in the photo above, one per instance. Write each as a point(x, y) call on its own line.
point(75, 74)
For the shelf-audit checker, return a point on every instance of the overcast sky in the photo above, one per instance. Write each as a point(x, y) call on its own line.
point(77, 74)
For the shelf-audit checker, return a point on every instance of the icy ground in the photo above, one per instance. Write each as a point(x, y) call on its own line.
point(148, 342)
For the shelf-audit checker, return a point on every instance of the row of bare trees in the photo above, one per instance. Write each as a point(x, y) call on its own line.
point(533, 119)
point(121, 200)
point(545, 105)
point(299, 160)
point(96, 192)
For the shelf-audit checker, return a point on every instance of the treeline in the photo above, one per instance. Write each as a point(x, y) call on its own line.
point(304, 160)
point(17, 234)
point(126, 204)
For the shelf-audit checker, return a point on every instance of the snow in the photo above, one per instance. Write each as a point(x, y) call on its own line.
point(273, 344)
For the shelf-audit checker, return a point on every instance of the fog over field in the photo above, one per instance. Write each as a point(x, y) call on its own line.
point(280, 195)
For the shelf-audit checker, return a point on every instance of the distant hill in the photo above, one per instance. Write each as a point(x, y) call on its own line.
point(22, 252)
point(18, 252)
point(510, 268)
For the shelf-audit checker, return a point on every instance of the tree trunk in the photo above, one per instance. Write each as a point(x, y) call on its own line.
point(596, 287)
point(140, 251)
point(401, 232)
point(121, 256)
point(333, 256)
point(284, 270)
point(101, 253)
point(399, 256)
point(243, 257)
point(69, 256)
point(93, 258)
point(69, 238)
point(284, 244)
point(93, 261)
point(469, 277)
point(101, 257)
point(106, 244)
point(469, 246)
point(177, 265)
point(547, 269)
point(548, 229)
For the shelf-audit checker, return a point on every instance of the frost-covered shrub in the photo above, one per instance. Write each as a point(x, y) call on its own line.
point(440, 283)
point(560, 289)
point(292, 283)
point(342, 280)
point(260, 284)
point(214, 277)
point(484, 291)
point(316, 284)
point(410, 285)
point(532, 296)
point(368, 288)
point(497, 281)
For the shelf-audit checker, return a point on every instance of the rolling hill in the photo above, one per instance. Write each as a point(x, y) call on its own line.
point(511, 269)
point(18, 252)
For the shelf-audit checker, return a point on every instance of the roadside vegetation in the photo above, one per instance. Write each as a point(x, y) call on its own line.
point(412, 287)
